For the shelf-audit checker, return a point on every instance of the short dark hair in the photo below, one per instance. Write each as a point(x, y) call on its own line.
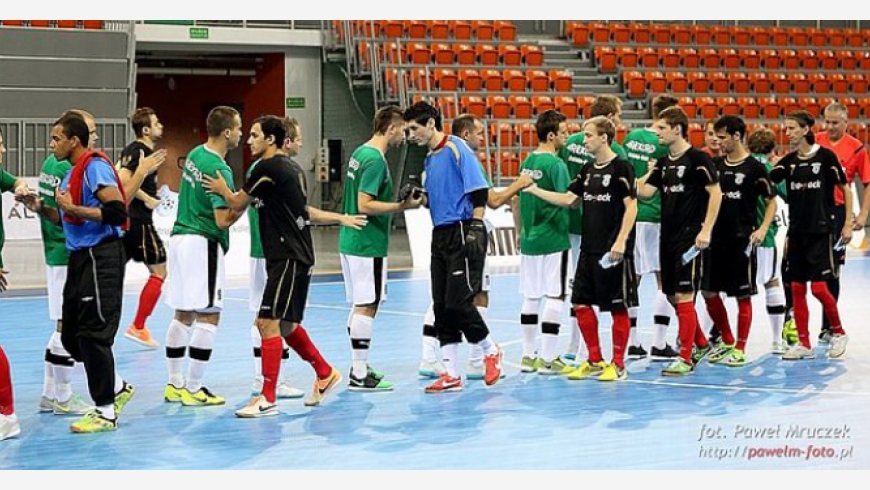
point(602, 126)
point(762, 141)
point(384, 117)
point(675, 116)
point(74, 126)
point(805, 120)
point(272, 126)
point(141, 119)
point(220, 119)
point(421, 112)
point(731, 124)
point(662, 102)
point(548, 122)
point(605, 105)
point(292, 126)
point(462, 123)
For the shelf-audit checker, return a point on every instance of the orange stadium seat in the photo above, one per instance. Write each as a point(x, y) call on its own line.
point(12, 23)
point(749, 59)
point(857, 83)
point(502, 134)
point(599, 32)
point(826, 101)
point(696, 135)
point(701, 34)
point(656, 82)
point(741, 35)
point(854, 37)
point(730, 59)
point(863, 59)
point(839, 84)
point(635, 83)
point(532, 55)
point(740, 83)
point(465, 54)
point(789, 105)
point(707, 108)
point(438, 29)
point(447, 105)
point(487, 54)
point(528, 136)
point(682, 34)
point(393, 52)
point(510, 55)
point(827, 60)
point(443, 54)
point(567, 105)
point(446, 79)
point(67, 24)
point(584, 103)
point(482, 30)
point(864, 107)
point(859, 131)
point(492, 80)
point(459, 30)
point(769, 107)
point(711, 59)
point(851, 105)
point(811, 105)
point(661, 34)
point(719, 82)
point(538, 81)
point(473, 105)
point(797, 36)
point(505, 30)
point(579, 35)
point(391, 79)
point(760, 36)
point(649, 58)
point(541, 103)
point(362, 52)
point(778, 36)
point(819, 37)
point(781, 83)
point(416, 29)
point(393, 29)
point(807, 59)
point(749, 108)
point(515, 80)
point(790, 60)
point(498, 106)
point(721, 35)
point(627, 57)
point(606, 59)
point(820, 83)
point(620, 33)
point(470, 80)
point(668, 57)
point(677, 82)
point(690, 58)
point(419, 53)
point(92, 24)
point(846, 60)
point(561, 80)
point(39, 23)
point(770, 59)
point(779, 130)
point(421, 81)
point(799, 83)
point(760, 82)
point(640, 33)
point(728, 106)
point(698, 82)
point(521, 105)
point(689, 106)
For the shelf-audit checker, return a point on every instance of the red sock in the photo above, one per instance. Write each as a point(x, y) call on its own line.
point(298, 341)
point(147, 300)
point(801, 312)
point(744, 321)
point(829, 303)
point(717, 311)
point(621, 327)
point(588, 324)
point(272, 350)
point(688, 321)
point(7, 403)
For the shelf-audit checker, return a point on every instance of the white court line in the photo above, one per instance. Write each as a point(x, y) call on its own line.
point(789, 391)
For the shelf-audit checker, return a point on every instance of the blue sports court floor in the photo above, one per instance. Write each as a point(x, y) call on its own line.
point(770, 414)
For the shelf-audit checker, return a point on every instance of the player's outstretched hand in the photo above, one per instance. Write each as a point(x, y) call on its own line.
point(215, 185)
point(152, 162)
point(525, 180)
point(357, 222)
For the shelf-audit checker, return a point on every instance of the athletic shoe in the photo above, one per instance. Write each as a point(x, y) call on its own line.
point(715, 336)
point(124, 396)
point(838, 345)
point(202, 397)
point(587, 370)
point(798, 352)
point(530, 364)
point(699, 353)
point(636, 352)
point(9, 426)
point(286, 391)
point(678, 368)
point(778, 347)
point(825, 336)
point(431, 369)
point(444, 384)
point(719, 352)
point(172, 394)
point(141, 336)
point(492, 367)
point(790, 333)
point(92, 422)
point(322, 387)
point(369, 382)
point(556, 366)
point(613, 373)
point(258, 407)
point(667, 353)
point(74, 406)
point(735, 358)
point(46, 404)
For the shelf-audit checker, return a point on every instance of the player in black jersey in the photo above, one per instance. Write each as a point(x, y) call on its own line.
point(811, 173)
point(732, 256)
point(691, 197)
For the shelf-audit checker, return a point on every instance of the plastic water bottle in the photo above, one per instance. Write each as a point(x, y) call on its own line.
point(690, 254)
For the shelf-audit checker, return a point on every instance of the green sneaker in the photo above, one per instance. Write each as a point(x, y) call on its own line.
point(735, 359)
point(530, 364)
point(93, 422)
point(173, 394)
point(587, 370)
point(719, 352)
point(678, 368)
point(373, 381)
point(556, 366)
point(790, 333)
point(123, 397)
point(699, 353)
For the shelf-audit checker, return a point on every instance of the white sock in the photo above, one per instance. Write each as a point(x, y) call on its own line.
point(430, 343)
point(550, 321)
point(257, 344)
point(775, 299)
point(201, 344)
point(119, 383)
point(529, 324)
point(632, 333)
point(48, 390)
point(476, 351)
point(177, 337)
point(487, 346)
point(360, 339)
point(449, 353)
point(662, 314)
point(108, 411)
point(62, 373)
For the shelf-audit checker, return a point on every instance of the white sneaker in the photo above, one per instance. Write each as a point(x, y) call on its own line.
point(798, 352)
point(838, 345)
point(258, 407)
point(9, 426)
point(46, 404)
point(431, 369)
point(74, 406)
point(286, 391)
point(779, 348)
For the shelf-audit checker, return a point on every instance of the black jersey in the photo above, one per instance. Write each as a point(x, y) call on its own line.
point(810, 182)
point(743, 183)
point(683, 183)
point(280, 186)
point(602, 190)
point(130, 160)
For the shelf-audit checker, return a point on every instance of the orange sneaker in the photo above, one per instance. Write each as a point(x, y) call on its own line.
point(445, 384)
point(322, 387)
point(141, 336)
point(492, 367)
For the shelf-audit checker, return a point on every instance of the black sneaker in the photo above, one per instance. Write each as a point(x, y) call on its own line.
point(665, 354)
point(825, 336)
point(636, 352)
point(373, 381)
point(715, 336)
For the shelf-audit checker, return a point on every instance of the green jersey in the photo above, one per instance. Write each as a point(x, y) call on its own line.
point(575, 156)
point(642, 147)
point(544, 226)
point(770, 237)
point(367, 172)
point(195, 205)
point(7, 183)
point(254, 221)
point(53, 238)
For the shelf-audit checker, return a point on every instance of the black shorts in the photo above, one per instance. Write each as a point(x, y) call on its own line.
point(676, 276)
point(613, 289)
point(143, 244)
point(92, 295)
point(729, 270)
point(286, 290)
point(811, 257)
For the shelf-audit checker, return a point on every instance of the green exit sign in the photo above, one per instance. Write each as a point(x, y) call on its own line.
point(295, 103)
point(199, 32)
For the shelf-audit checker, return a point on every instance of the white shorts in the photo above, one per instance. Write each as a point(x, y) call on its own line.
point(544, 275)
point(646, 248)
point(769, 265)
point(196, 274)
point(365, 279)
point(55, 278)
point(575, 257)
point(258, 283)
